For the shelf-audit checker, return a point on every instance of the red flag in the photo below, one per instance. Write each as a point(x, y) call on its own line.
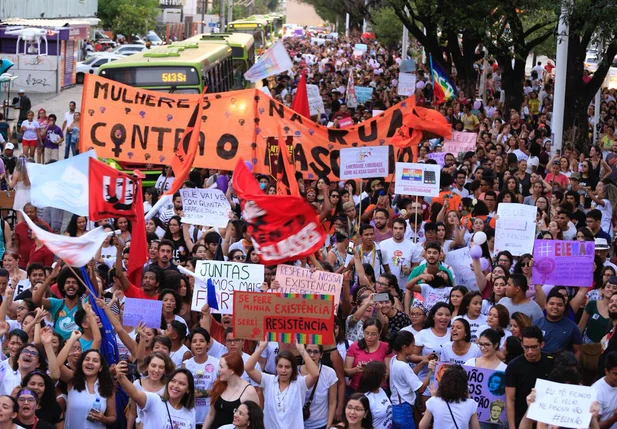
point(300, 102)
point(138, 254)
point(282, 227)
point(186, 149)
point(112, 192)
point(286, 174)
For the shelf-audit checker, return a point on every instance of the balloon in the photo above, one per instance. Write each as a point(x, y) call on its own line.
point(477, 104)
point(222, 182)
point(249, 165)
point(475, 252)
point(420, 85)
point(479, 238)
point(484, 264)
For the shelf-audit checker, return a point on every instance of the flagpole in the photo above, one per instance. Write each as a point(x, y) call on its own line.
point(81, 281)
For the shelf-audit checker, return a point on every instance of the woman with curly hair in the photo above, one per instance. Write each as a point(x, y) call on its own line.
point(91, 394)
point(451, 406)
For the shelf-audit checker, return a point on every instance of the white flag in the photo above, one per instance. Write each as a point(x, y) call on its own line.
point(62, 184)
point(75, 251)
point(274, 61)
point(350, 94)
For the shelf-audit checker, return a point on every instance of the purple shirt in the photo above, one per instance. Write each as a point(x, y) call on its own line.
point(53, 136)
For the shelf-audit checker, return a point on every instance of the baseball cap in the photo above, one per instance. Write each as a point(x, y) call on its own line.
point(601, 244)
point(575, 176)
point(21, 91)
point(9, 146)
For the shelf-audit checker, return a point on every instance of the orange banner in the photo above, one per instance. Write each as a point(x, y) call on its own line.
point(136, 125)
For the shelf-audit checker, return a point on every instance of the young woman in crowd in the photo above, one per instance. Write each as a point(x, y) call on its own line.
point(368, 349)
point(373, 376)
point(460, 348)
point(248, 415)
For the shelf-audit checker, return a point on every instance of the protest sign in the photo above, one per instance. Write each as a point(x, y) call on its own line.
point(417, 179)
point(361, 47)
point(364, 162)
point(228, 278)
point(136, 125)
point(439, 157)
point(460, 142)
point(274, 61)
point(488, 388)
point(294, 279)
point(406, 84)
point(377, 112)
point(284, 317)
point(364, 94)
point(207, 207)
point(345, 123)
point(560, 262)
point(515, 229)
point(138, 310)
point(562, 405)
point(460, 261)
point(316, 106)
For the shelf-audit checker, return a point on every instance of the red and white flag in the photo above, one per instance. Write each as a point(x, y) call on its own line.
point(75, 251)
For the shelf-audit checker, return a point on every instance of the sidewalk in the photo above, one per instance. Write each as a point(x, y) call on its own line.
point(52, 103)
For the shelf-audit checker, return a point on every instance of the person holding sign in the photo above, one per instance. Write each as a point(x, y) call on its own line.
point(528, 423)
point(607, 392)
point(285, 392)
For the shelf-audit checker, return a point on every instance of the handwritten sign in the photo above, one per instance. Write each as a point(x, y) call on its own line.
point(460, 142)
point(562, 405)
point(294, 279)
point(417, 179)
point(515, 229)
point(439, 157)
point(560, 262)
point(406, 84)
point(316, 106)
point(488, 388)
point(147, 311)
point(284, 317)
point(364, 94)
point(364, 162)
point(228, 278)
point(208, 207)
point(460, 261)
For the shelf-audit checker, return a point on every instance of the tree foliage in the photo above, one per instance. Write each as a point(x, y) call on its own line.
point(134, 20)
point(387, 27)
point(110, 12)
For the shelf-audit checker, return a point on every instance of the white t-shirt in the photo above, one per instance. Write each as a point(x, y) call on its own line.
point(9, 378)
point(156, 414)
point(403, 382)
point(532, 161)
point(448, 355)
point(319, 405)
point(397, 255)
point(79, 404)
point(283, 410)
point(269, 354)
point(69, 118)
point(31, 130)
point(430, 343)
point(474, 324)
point(462, 412)
point(607, 397)
point(501, 367)
point(204, 375)
point(434, 295)
point(139, 386)
point(381, 408)
point(607, 216)
point(177, 356)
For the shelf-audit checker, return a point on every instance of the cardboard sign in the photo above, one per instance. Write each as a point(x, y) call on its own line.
point(207, 207)
point(316, 106)
point(488, 388)
point(364, 94)
point(228, 278)
point(439, 158)
point(148, 311)
point(345, 123)
point(460, 142)
point(561, 262)
point(141, 126)
point(460, 261)
point(284, 317)
point(417, 179)
point(364, 162)
point(294, 279)
point(515, 229)
point(406, 84)
point(562, 405)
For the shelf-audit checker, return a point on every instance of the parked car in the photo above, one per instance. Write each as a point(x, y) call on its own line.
point(92, 64)
point(124, 50)
point(151, 37)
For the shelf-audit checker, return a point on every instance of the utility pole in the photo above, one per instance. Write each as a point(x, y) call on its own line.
point(230, 11)
point(204, 5)
point(596, 107)
point(222, 15)
point(561, 71)
point(405, 41)
point(346, 25)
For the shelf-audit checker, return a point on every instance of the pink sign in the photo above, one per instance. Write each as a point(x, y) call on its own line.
point(438, 157)
point(345, 122)
point(460, 142)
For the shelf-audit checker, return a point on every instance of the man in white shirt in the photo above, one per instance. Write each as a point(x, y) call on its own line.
point(607, 392)
point(401, 255)
point(68, 117)
point(539, 70)
point(175, 211)
point(459, 183)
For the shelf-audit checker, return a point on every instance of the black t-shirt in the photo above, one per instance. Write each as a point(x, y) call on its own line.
point(522, 375)
point(51, 413)
point(41, 424)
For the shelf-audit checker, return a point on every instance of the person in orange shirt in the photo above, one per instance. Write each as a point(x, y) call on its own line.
point(445, 182)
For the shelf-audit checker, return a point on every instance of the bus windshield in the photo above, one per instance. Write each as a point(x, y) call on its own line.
point(154, 76)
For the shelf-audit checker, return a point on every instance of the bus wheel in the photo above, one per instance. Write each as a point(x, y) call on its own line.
point(80, 78)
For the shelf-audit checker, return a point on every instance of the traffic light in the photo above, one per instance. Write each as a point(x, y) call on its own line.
point(5, 65)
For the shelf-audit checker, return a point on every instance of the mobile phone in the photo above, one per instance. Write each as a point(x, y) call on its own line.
point(381, 297)
point(350, 248)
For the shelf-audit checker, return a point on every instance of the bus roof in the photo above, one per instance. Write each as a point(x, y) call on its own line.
point(250, 22)
point(232, 39)
point(163, 55)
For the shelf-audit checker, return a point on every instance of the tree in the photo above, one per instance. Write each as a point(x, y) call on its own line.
point(134, 19)
point(109, 12)
point(330, 10)
point(387, 27)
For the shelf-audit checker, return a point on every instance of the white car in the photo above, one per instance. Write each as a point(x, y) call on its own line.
point(92, 64)
point(151, 37)
point(124, 50)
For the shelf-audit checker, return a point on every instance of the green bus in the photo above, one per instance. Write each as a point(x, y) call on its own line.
point(278, 20)
point(242, 52)
point(260, 28)
point(185, 69)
